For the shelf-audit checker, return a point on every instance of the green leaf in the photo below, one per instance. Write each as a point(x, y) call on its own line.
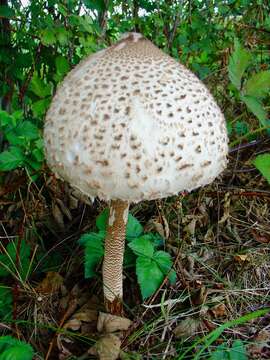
point(62, 35)
point(39, 87)
point(134, 227)
point(98, 5)
point(94, 251)
point(133, 230)
point(241, 128)
point(6, 299)
point(258, 85)
point(262, 163)
point(142, 246)
point(5, 118)
point(62, 65)
point(13, 349)
point(40, 107)
point(11, 159)
point(238, 64)
point(102, 220)
point(6, 11)
point(164, 261)
point(238, 351)
point(256, 108)
point(47, 37)
point(149, 275)
point(221, 353)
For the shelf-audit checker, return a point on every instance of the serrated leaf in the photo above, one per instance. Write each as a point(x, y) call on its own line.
point(258, 85)
point(256, 108)
point(262, 163)
point(238, 351)
point(11, 159)
point(93, 251)
point(149, 275)
point(142, 246)
point(238, 63)
point(164, 261)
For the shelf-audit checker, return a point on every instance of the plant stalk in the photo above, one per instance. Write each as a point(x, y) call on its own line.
point(114, 255)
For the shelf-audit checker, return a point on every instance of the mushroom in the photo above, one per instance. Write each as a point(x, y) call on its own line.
point(129, 123)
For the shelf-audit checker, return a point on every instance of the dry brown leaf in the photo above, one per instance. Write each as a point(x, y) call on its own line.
point(241, 258)
point(109, 323)
point(187, 328)
point(219, 310)
point(106, 348)
point(51, 284)
point(58, 216)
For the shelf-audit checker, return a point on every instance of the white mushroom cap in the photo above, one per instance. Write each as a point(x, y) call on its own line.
point(131, 123)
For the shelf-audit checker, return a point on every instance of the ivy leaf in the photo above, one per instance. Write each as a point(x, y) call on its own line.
point(258, 85)
point(256, 108)
point(142, 246)
point(93, 252)
point(238, 64)
point(13, 349)
point(164, 261)
point(11, 159)
point(149, 275)
point(262, 163)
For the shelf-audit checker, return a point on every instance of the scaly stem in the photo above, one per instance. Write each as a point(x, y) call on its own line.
point(113, 256)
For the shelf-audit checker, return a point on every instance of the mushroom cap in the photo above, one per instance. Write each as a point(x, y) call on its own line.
point(131, 123)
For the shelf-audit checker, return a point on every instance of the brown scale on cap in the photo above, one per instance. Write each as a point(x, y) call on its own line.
point(133, 104)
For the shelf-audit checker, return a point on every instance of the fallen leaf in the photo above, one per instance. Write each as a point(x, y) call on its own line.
point(218, 310)
point(241, 258)
point(110, 323)
point(260, 347)
point(51, 283)
point(187, 328)
point(106, 348)
point(263, 239)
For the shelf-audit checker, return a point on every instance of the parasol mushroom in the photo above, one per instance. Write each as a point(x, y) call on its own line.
point(127, 124)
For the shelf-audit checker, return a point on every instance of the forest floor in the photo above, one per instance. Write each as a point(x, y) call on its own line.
point(218, 236)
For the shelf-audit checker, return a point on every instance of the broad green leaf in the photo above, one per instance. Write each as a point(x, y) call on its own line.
point(39, 87)
point(256, 108)
point(102, 220)
point(47, 37)
point(62, 65)
point(238, 64)
point(38, 154)
point(11, 159)
point(5, 118)
point(241, 127)
point(164, 261)
point(6, 11)
point(40, 107)
point(98, 5)
point(142, 246)
point(221, 353)
point(258, 85)
point(262, 163)
point(93, 251)
point(18, 351)
point(61, 35)
point(149, 275)
point(134, 227)
point(28, 130)
point(238, 351)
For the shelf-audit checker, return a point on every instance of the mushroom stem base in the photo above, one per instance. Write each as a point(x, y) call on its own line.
point(113, 256)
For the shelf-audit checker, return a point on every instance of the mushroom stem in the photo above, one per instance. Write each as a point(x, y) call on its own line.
point(113, 256)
